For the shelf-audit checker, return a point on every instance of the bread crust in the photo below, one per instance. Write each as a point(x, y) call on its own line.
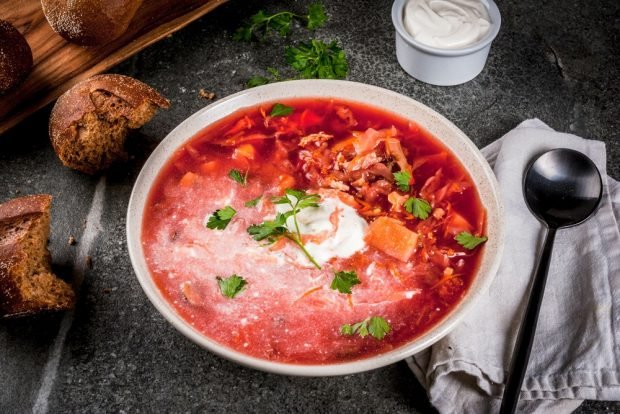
point(23, 206)
point(12, 302)
point(77, 102)
point(15, 57)
point(90, 22)
point(13, 210)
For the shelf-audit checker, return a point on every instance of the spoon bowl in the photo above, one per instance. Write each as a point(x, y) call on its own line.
point(562, 188)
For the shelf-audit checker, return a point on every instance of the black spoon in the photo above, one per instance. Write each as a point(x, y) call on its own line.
point(562, 188)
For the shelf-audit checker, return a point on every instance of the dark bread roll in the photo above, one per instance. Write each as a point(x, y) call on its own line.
point(90, 22)
point(27, 284)
point(15, 57)
point(90, 122)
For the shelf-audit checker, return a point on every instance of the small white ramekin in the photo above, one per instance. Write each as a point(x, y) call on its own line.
point(444, 67)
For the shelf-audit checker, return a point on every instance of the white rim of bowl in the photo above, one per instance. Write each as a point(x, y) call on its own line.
point(496, 21)
point(161, 155)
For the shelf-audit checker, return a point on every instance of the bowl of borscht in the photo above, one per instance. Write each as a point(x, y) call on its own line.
point(315, 227)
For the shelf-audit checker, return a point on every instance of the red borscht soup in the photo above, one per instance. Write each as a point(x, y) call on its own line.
point(313, 231)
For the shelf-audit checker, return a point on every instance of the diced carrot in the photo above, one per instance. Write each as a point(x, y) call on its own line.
point(350, 300)
point(209, 167)
point(285, 181)
point(190, 293)
point(188, 179)
point(246, 151)
point(392, 238)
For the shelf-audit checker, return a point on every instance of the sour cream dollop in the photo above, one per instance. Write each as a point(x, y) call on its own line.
point(342, 230)
point(447, 24)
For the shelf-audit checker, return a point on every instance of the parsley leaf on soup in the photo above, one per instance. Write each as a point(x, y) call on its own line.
point(419, 207)
point(253, 202)
point(238, 176)
point(281, 110)
point(318, 59)
point(376, 326)
point(468, 240)
point(269, 230)
point(344, 281)
point(402, 179)
point(272, 230)
point(221, 217)
point(231, 286)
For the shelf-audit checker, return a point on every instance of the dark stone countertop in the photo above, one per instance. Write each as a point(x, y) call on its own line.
point(555, 60)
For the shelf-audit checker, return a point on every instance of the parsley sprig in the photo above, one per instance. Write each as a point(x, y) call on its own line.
point(220, 218)
point(281, 110)
point(238, 176)
point(468, 240)
point(261, 25)
point(231, 286)
point(344, 281)
point(402, 179)
point(419, 207)
point(272, 230)
point(317, 59)
point(376, 326)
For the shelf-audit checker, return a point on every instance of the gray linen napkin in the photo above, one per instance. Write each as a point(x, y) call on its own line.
point(576, 351)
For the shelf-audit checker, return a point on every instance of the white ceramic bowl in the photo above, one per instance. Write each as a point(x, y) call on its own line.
point(430, 120)
point(444, 67)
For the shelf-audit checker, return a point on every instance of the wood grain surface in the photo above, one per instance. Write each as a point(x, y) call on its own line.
point(58, 64)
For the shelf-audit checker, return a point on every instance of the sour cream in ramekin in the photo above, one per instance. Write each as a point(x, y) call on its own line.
point(447, 24)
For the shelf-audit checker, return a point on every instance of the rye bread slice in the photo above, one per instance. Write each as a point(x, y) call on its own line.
point(27, 284)
point(90, 122)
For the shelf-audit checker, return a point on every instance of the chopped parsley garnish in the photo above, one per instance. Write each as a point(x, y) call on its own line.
point(419, 207)
point(281, 110)
point(272, 230)
point(468, 240)
point(221, 217)
point(238, 176)
point(318, 59)
point(344, 281)
point(402, 179)
point(261, 24)
point(232, 286)
point(253, 202)
point(376, 326)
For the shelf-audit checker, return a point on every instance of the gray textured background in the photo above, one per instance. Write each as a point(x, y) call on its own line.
point(556, 60)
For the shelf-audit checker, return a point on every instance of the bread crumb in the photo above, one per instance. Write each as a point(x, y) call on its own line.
point(72, 241)
point(209, 96)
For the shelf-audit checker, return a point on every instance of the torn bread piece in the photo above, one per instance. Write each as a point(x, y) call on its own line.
point(90, 122)
point(27, 284)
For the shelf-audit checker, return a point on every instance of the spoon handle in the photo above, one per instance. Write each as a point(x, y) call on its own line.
point(523, 346)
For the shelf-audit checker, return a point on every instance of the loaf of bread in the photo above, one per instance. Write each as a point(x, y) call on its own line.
point(90, 122)
point(90, 22)
point(27, 285)
point(15, 57)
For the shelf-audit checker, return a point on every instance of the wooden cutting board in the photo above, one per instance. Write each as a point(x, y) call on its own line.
point(58, 64)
